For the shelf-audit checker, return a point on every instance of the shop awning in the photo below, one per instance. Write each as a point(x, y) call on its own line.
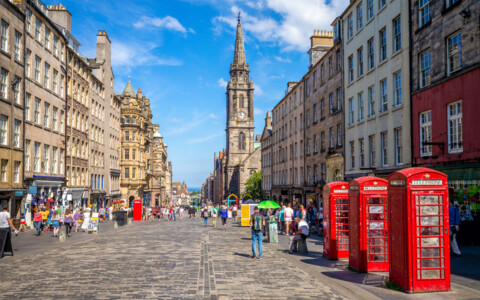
point(461, 172)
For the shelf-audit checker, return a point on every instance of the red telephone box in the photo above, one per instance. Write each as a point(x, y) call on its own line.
point(335, 220)
point(419, 238)
point(137, 210)
point(368, 248)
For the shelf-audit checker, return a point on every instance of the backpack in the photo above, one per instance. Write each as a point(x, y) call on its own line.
point(257, 222)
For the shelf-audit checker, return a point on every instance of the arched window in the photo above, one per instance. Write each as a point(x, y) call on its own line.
point(241, 105)
point(241, 141)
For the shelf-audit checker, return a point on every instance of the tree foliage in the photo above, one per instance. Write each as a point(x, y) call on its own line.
point(253, 186)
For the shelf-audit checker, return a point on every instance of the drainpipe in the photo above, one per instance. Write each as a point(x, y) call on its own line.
point(24, 97)
point(410, 80)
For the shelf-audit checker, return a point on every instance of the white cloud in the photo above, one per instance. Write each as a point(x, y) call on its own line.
point(257, 111)
point(258, 90)
point(222, 83)
point(297, 20)
point(281, 59)
point(167, 22)
point(135, 55)
point(213, 116)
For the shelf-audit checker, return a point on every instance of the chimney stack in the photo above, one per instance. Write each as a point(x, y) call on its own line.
point(320, 42)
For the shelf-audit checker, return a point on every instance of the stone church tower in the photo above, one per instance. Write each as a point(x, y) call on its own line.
point(240, 126)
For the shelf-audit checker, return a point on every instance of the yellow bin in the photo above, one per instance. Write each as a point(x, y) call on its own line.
point(247, 211)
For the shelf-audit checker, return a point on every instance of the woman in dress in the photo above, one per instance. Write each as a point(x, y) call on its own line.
point(56, 223)
point(86, 219)
point(69, 218)
point(77, 217)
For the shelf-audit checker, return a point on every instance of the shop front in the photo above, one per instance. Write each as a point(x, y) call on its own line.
point(98, 200)
point(41, 191)
point(12, 198)
point(77, 198)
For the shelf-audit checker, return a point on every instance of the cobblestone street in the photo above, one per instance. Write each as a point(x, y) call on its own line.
point(180, 259)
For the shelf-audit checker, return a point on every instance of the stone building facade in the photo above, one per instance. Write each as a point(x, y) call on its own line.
point(445, 68)
point(138, 180)
point(266, 154)
point(102, 74)
point(323, 117)
point(240, 160)
point(375, 40)
point(12, 125)
point(168, 182)
point(288, 146)
point(45, 106)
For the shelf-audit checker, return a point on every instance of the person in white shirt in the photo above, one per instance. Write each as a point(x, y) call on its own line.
point(288, 215)
point(302, 233)
point(110, 211)
point(6, 221)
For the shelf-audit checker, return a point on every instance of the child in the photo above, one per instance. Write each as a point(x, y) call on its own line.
point(23, 225)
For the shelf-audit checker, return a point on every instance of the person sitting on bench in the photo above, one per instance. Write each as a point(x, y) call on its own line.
point(302, 233)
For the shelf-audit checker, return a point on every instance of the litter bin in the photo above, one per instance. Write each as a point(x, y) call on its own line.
point(271, 230)
point(120, 217)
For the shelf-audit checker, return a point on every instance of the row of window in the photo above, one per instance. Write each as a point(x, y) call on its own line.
point(77, 120)
point(397, 147)
point(127, 154)
point(52, 80)
point(78, 176)
point(77, 148)
point(48, 161)
point(397, 46)
point(97, 135)
point(293, 177)
point(6, 131)
point(52, 118)
point(5, 41)
point(368, 107)
point(6, 85)
point(454, 59)
point(97, 159)
point(78, 92)
point(131, 173)
point(96, 181)
point(333, 68)
point(266, 182)
point(114, 162)
point(282, 110)
point(98, 110)
point(5, 169)
point(114, 122)
point(454, 129)
point(57, 47)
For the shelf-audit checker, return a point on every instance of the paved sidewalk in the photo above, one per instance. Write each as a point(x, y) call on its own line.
point(465, 280)
point(183, 259)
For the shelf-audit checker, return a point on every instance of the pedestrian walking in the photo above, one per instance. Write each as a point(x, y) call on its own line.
point(302, 233)
point(86, 220)
point(288, 214)
point(205, 215)
point(214, 216)
point(55, 223)
point(23, 223)
point(6, 221)
point(77, 217)
point(257, 223)
point(454, 216)
point(234, 213)
point(224, 215)
point(38, 219)
point(69, 219)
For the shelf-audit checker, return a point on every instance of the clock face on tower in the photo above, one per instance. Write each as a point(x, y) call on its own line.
point(241, 115)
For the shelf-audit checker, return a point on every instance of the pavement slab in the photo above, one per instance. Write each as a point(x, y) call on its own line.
point(182, 260)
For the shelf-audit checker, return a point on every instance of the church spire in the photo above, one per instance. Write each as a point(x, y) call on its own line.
point(239, 57)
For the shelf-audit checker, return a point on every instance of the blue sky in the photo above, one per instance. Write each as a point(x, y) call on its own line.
point(179, 53)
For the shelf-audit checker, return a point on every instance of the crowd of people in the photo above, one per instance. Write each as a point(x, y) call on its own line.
point(216, 211)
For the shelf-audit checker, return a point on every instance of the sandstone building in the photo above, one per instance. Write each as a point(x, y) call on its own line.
point(46, 71)
point(12, 126)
